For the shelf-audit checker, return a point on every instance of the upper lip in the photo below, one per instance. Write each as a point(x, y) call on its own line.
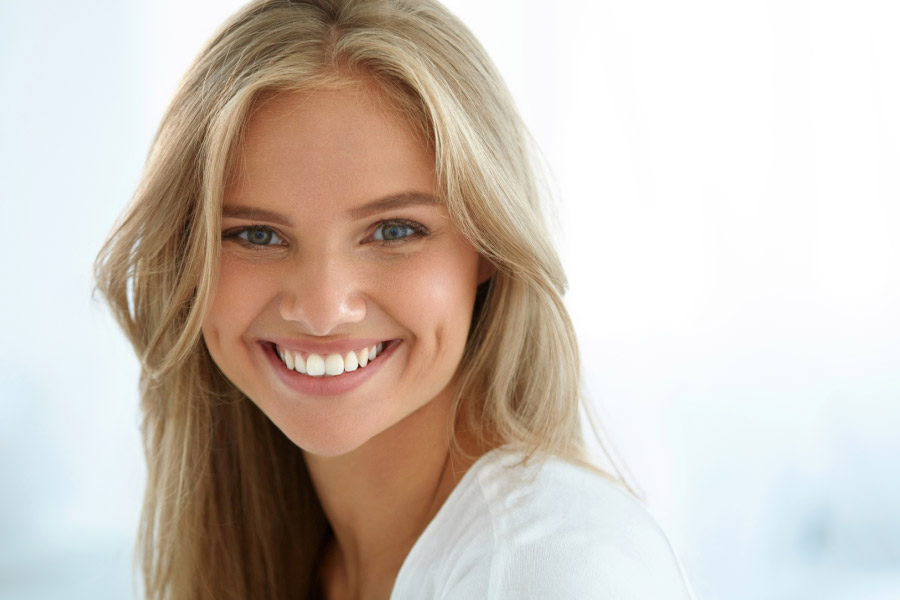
point(324, 348)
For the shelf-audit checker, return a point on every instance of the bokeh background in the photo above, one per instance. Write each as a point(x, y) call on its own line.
point(729, 193)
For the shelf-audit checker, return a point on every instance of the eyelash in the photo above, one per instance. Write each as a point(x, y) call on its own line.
point(241, 234)
point(417, 231)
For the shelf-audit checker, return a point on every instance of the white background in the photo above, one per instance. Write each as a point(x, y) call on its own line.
point(730, 201)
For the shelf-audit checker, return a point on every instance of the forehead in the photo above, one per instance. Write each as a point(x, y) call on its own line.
point(344, 142)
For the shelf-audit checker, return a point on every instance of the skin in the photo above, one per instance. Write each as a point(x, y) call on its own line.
point(378, 454)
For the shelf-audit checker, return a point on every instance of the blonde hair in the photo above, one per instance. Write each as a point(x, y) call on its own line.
point(229, 510)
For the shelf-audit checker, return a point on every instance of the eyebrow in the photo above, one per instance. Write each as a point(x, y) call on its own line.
point(237, 211)
point(392, 202)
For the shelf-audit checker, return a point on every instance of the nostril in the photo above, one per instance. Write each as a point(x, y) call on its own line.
point(319, 311)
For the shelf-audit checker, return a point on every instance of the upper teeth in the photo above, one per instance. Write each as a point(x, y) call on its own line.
point(319, 365)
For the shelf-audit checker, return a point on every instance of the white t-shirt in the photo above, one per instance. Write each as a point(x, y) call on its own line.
point(554, 531)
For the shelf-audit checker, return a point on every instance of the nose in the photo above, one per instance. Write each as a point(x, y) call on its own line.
point(321, 296)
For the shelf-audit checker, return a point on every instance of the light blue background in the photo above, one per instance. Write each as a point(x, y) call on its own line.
point(730, 202)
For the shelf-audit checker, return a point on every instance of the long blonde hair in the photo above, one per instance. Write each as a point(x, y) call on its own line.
point(229, 510)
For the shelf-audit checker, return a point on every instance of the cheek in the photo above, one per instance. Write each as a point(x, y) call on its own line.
point(436, 294)
point(235, 301)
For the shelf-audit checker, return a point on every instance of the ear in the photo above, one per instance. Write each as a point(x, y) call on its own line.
point(486, 269)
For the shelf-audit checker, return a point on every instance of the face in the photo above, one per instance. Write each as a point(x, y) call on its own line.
point(345, 294)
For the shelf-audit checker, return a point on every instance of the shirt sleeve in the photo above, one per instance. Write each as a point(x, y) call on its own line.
point(577, 537)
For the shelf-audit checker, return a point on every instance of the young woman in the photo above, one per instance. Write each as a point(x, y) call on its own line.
point(358, 376)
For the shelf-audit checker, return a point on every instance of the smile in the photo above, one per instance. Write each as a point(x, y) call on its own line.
point(328, 365)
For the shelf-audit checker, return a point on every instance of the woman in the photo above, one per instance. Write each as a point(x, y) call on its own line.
point(358, 376)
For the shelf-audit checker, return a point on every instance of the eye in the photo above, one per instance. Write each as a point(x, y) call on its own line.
point(257, 235)
point(389, 231)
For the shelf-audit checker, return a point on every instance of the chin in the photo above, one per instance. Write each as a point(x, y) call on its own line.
point(328, 450)
point(327, 443)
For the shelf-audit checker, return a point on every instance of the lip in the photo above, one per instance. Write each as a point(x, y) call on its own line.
point(327, 386)
point(325, 348)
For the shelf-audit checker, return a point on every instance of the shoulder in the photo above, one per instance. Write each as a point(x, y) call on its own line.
point(545, 529)
point(564, 531)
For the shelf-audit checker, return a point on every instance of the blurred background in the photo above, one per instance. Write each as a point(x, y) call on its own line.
point(727, 173)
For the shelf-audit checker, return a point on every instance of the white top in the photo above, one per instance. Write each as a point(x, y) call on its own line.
point(555, 531)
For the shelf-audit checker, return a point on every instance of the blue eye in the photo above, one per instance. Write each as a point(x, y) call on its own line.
point(392, 230)
point(259, 236)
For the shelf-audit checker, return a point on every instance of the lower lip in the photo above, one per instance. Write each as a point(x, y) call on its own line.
point(333, 385)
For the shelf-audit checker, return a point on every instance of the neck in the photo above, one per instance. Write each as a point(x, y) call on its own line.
point(380, 497)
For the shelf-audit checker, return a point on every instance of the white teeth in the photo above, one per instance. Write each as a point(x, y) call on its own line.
point(334, 364)
point(299, 363)
point(315, 365)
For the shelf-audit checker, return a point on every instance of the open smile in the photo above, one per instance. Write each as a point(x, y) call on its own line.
point(328, 373)
point(328, 365)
